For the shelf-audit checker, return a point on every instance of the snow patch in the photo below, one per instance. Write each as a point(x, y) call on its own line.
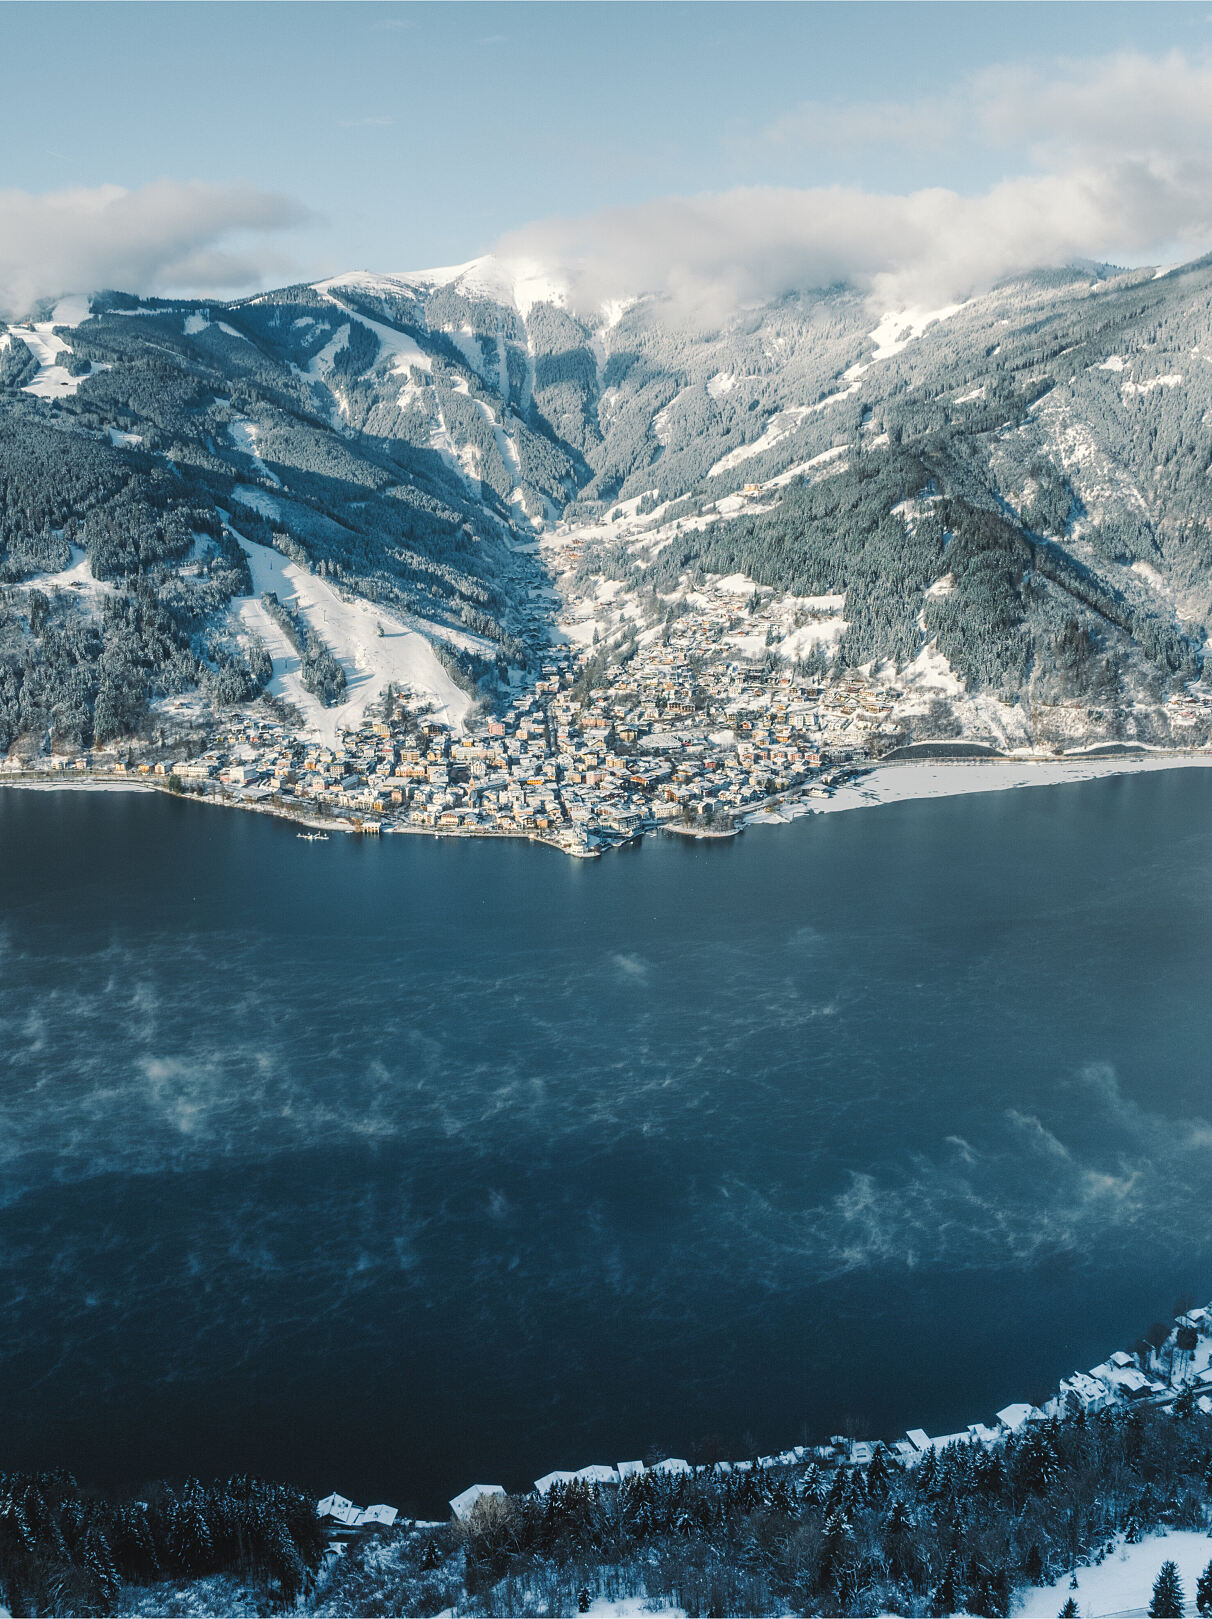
point(244, 437)
point(779, 427)
point(1170, 381)
point(261, 502)
point(895, 330)
point(614, 309)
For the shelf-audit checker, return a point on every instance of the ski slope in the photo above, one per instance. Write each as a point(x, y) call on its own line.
point(349, 627)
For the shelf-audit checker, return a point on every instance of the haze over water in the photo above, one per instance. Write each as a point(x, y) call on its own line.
point(394, 1166)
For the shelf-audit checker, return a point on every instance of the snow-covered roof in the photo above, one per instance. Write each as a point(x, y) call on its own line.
point(379, 1514)
point(597, 1473)
point(465, 1503)
point(982, 1434)
point(630, 1469)
point(560, 1476)
point(672, 1464)
point(1016, 1416)
point(943, 1440)
point(332, 1503)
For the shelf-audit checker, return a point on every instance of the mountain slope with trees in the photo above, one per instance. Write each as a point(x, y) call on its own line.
point(1023, 479)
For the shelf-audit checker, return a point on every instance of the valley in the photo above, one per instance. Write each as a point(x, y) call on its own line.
point(803, 538)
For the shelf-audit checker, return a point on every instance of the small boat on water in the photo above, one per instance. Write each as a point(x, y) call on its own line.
point(313, 837)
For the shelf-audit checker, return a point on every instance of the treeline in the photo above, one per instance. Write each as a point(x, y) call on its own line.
point(962, 1532)
point(67, 1550)
point(321, 673)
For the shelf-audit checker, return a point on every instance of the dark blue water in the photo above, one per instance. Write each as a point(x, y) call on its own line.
point(394, 1166)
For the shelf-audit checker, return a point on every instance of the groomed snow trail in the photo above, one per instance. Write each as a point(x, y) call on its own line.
point(400, 657)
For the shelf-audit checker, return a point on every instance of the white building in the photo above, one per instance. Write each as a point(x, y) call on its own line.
point(465, 1503)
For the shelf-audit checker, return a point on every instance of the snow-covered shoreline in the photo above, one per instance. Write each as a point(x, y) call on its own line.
point(87, 784)
point(898, 783)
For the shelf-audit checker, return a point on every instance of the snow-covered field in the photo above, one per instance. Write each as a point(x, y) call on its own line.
point(349, 627)
point(78, 576)
point(893, 784)
point(1121, 1587)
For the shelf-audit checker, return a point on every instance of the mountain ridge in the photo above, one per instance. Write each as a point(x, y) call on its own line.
point(1018, 480)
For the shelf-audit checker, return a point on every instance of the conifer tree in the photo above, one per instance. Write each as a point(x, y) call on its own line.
point(1168, 1601)
point(945, 1598)
point(1203, 1591)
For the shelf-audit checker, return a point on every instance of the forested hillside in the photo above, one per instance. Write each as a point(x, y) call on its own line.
point(1020, 481)
point(968, 1530)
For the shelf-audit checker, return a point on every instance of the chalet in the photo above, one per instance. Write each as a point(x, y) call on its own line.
point(465, 1503)
point(1081, 1392)
point(1016, 1417)
point(341, 1516)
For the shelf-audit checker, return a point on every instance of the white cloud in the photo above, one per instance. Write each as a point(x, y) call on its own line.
point(168, 235)
point(1117, 159)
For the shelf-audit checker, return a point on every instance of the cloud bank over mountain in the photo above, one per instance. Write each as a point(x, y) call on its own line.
point(1121, 168)
point(1103, 158)
point(167, 235)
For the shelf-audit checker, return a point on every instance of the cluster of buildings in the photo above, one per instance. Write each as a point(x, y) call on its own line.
point(1155, 1373)
point(584, 758)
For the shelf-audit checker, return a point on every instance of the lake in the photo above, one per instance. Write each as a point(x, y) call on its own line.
point(391, 1166)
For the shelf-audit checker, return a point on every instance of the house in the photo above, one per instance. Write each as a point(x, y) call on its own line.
point(919, 1439)
point(1016, 1417)
point(1126, 1382)
point(945, 1441)
point(983, 1435)
point(465, 1503)
point(630, 1469)
point(1081, 1392)
point(379, 1514)
point(340, 1513)
point(550, 1480)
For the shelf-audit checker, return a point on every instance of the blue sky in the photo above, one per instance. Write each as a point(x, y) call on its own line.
point(418, 134)
point(917, 149)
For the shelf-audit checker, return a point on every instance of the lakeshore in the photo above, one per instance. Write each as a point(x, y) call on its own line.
point(863, 787)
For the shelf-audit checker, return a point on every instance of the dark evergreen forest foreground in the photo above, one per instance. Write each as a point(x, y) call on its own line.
point(969, 1530)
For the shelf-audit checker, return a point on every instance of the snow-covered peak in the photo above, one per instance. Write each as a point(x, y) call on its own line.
point(517, 283)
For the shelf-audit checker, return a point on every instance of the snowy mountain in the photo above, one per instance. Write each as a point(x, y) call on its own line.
point(1017, 483)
